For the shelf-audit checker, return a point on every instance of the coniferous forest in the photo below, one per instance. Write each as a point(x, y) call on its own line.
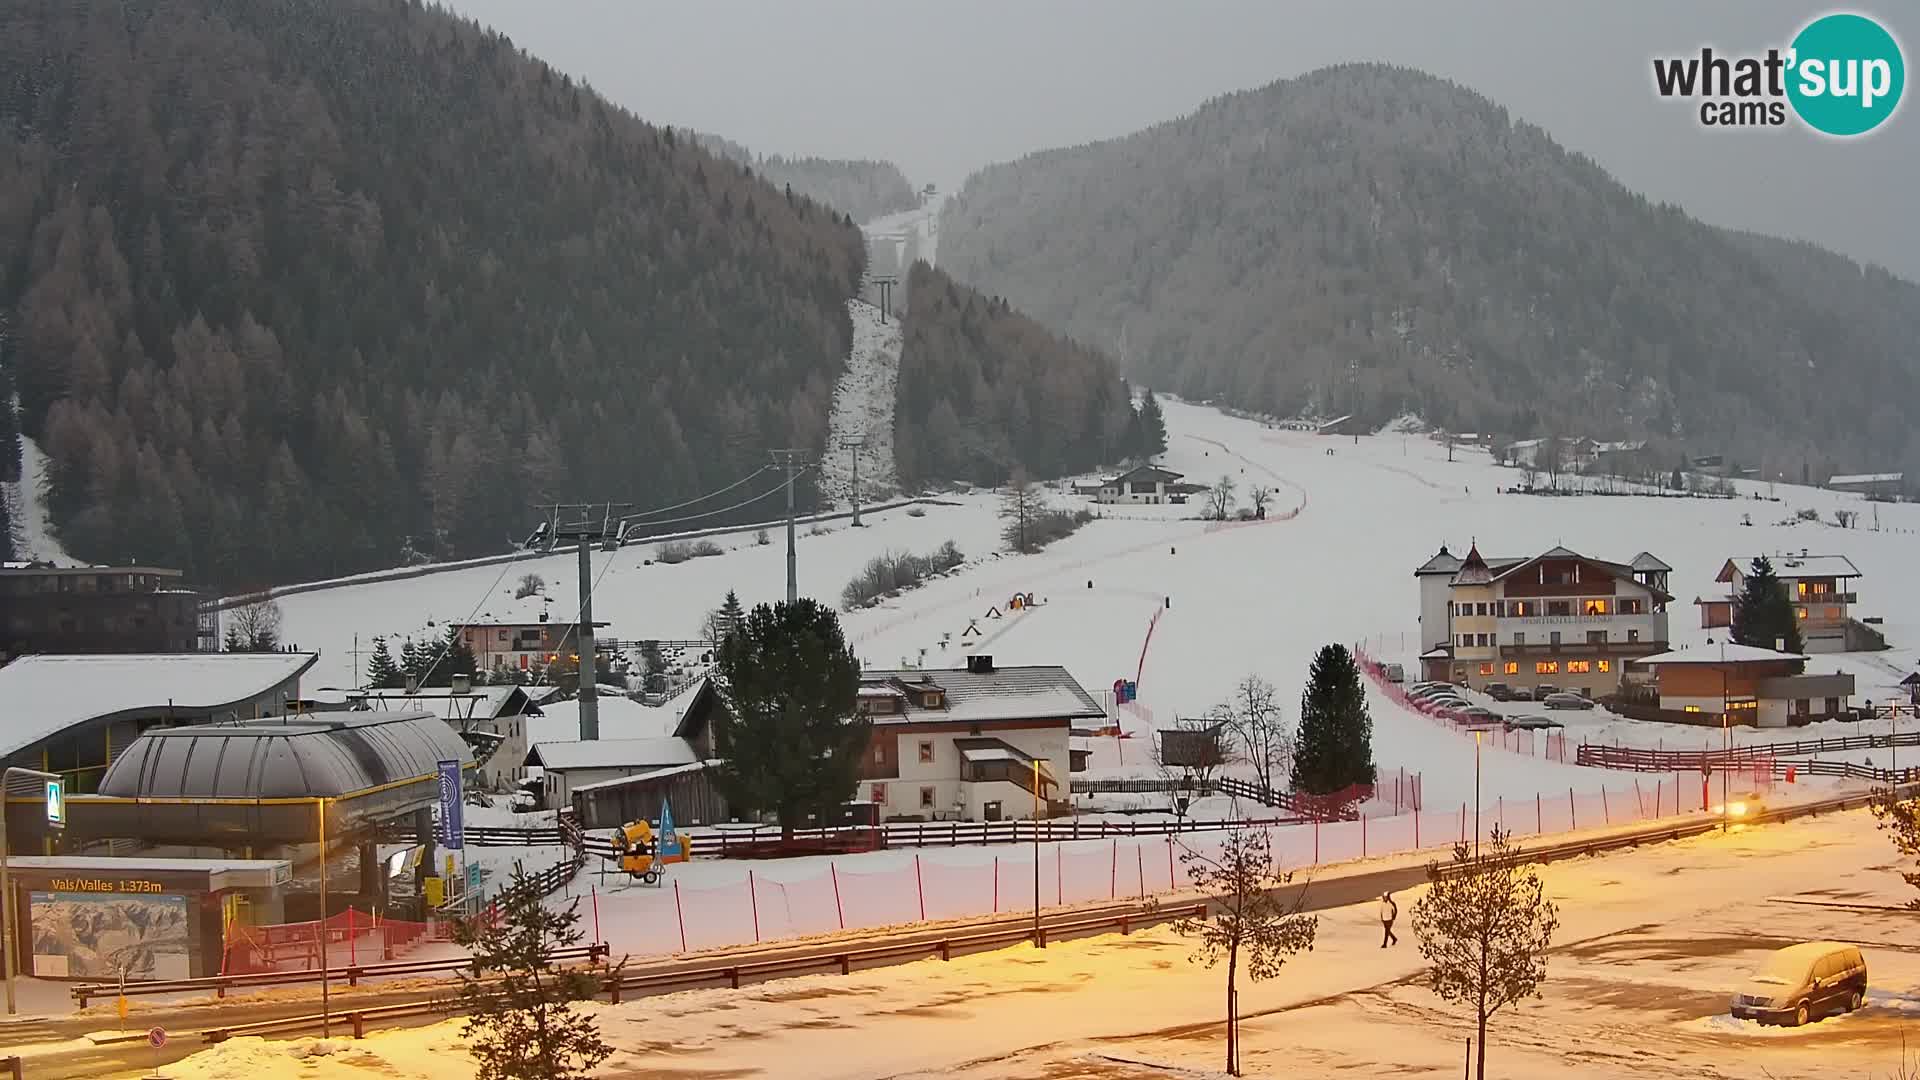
point(863, 190)
point(984, 389)
point(290, 286)
point(1372, 240)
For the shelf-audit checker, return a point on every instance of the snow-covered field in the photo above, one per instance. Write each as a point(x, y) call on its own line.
point(26, 507)
point(1650, 945)
point(1233, 600)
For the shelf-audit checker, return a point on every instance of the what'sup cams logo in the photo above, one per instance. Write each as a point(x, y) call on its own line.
point(1842, 75)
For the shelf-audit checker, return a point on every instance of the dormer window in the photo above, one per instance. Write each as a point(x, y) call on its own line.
point(932, 699)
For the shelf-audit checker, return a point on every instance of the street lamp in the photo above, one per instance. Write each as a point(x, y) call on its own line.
point(56, 818)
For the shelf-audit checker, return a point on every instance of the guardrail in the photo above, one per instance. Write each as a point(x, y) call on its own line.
point(83, 993)
point(1764, 750)
point(617, 986)
point(1360, 886)
point(1635, 759)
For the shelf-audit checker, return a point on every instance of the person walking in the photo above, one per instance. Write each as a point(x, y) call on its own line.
point(1389, 911)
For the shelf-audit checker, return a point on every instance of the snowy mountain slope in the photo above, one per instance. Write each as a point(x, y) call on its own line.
point(27, 509)
point(863, 406)
point(1254, 598)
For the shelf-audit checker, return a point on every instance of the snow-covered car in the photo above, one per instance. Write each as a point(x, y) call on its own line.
point(1531, 722)
point(1802, 982)
point(1566, 701)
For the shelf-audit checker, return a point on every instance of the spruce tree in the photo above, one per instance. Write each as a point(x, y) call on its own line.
point(788, 734)
point(731, 615)
point(1153, 427)
point(453, 657)
point(1335, 744)
point(411, 661)
point(382, 672)
point(1763, 614)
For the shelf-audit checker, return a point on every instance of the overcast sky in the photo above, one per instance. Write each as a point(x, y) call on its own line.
point(944, 88)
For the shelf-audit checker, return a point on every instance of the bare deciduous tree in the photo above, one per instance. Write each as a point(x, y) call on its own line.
point(529, 585)
point(1192, 752)
point(1252, 925)
point(1484, 926)
point(1258, 727)
point(1018, 506)
point(1900, 819)
point(254, 626)
point(1260, 495)
point(1220, 499)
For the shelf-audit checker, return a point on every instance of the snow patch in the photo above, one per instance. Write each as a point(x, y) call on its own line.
point(27, 508)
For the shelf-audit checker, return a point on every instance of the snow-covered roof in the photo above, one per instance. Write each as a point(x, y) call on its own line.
point(612, 754)
point(1646, 561)
point(1718, 654)
point(991, 750)
point(1790, 567)
point(1002, 693)
point(42, 696)
point(1145, 470)
point(651, 774)
point(1867, 478)
point(881, 692)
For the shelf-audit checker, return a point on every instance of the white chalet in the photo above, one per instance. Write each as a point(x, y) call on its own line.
point(1140, 484)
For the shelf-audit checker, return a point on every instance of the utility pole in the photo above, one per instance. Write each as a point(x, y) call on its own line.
point(587, 525)
point(792, 461)
point(852, 444)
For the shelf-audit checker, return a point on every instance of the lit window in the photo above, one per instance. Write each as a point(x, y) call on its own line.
point(1692, 708)
point(1803, 588)
point(1579, 667)
point(1486, 669)
point(1596, 607)
point(1520, 609)
point(926, 752)
point(1513, 667)
point(1546, 667)
point(1605, 665)
point(1802, 612)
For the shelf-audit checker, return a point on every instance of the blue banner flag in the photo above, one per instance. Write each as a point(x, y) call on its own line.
point(452, 831)
point(669, 840)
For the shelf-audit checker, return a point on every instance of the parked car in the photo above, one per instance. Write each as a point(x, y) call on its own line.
point(1396, 673)
point(1531, 722)
point(1479, 716)
point(1428, 693)
point(1802, 982)
point(1499, 691)
point(1566, 701)
point(1544, 690)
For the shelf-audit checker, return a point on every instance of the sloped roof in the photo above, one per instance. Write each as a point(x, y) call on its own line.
point(41, 696)
point(1790, 567)
point(1148, 471)
point(1445, 562)
point(1004, 693)
point(1646, 562)
point(1474, 570)
point(1718, 654)
point(612, 754)
point(1619, 570)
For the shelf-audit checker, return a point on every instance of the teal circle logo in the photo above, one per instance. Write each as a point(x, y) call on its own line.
point(1846, 75)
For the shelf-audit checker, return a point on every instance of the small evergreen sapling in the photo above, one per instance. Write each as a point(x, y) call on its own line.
point(521, 1022)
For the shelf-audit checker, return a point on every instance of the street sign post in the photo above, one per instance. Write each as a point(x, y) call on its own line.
point(56, 809)
point(156, 1038)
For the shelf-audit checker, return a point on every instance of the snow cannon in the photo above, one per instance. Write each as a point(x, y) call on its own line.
point(638, 850)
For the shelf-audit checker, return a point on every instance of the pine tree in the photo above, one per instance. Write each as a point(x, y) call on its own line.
point(1153, 426)
point(382, 672)
point(1334, 749)
point(1763, 614)
point(411, 661)
point(521, 1024)
point(788, 734)
point(453, 657)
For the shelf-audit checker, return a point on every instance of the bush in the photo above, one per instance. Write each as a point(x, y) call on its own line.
point(916, 511)
point(1047, 526)
point(1808, 514)
point(893, 572)
point(704, 548)
point(761, 538)
point(672, 552)
point(817, 529)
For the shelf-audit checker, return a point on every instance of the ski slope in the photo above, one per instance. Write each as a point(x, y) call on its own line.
point(863, 402)
point(1334, 563)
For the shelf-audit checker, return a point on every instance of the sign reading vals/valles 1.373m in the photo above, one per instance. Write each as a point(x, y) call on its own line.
point(452, 830)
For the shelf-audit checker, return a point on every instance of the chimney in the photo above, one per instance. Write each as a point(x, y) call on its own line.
point(413, 684)
point(980, 663)
point(462, 684)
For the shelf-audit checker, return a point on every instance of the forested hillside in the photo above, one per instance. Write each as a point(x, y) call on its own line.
point(984, 389)
point(292, 284)
point(1372, 240)
point(863, 189)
